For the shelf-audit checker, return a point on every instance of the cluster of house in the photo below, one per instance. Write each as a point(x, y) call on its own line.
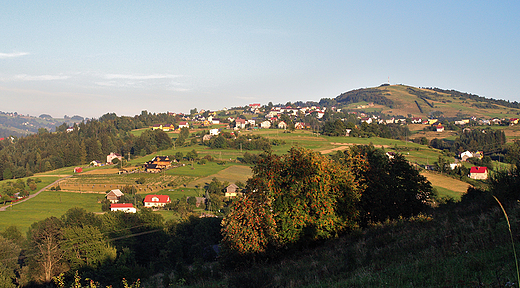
point(110, 158)
point(159, 201)
point(476, 172)
point(171, 127)
point(97, 163)
point(150, 201)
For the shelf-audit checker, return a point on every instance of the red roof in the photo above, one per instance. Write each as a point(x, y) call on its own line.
point(478, 169)
point(122, 205)
point(157, 198)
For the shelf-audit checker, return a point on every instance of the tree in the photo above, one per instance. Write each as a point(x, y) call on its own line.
point(184, 133)
point(45, 239)
point(192, 155)
point(393, 187)
point(7, 174)
point(299, 196)
point(505, 185)
point(9, 254)
point(86, 247)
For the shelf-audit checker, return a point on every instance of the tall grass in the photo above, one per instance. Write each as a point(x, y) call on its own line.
point(512, 241)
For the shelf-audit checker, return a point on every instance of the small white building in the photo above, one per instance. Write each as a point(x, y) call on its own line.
point(113, 156)
point(125, 207)
point(266, 124)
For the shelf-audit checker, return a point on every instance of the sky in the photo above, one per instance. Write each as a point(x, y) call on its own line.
point(90, 58)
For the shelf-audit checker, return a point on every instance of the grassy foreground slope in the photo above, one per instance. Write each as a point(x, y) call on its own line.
point(462, 244)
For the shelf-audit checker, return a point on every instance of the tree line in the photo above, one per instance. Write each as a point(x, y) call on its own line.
point(89, 141)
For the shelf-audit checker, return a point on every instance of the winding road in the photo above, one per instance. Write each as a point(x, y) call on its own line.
point(35, 194)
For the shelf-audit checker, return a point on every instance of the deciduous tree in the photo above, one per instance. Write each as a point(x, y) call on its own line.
point(299, 196)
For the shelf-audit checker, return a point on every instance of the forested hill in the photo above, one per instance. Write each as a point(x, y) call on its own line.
point(90, 140)
point(17, 125)
point(408, 101)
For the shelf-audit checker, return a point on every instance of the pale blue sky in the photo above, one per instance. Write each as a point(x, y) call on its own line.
point(90, 58)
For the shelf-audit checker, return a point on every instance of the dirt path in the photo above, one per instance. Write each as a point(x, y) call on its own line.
point(35, 194)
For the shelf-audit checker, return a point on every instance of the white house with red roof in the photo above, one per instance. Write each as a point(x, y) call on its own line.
point(125, 207)
point(479, 173)
point(184, 124)
point(154, 201)
point(240, 123)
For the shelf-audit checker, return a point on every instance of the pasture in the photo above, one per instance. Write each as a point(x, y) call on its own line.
point(46, 204)
point(446, 186)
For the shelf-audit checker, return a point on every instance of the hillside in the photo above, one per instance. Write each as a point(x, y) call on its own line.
point(410, 101)
point(17, 125)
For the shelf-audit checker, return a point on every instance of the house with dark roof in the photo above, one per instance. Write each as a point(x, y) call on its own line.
point(157, 164)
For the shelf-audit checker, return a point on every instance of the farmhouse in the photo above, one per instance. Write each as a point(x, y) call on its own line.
point(184, 124)
point(167, 127)
point(114, 195)
point(439, 128)
point(240, 123)
point(113, 156)
point(416, 120)
point(266, 124)
point(154, 201)
point(125, 207)
point(478, 173)
point(157, 164)
point(465, 155)
point(282, 125)
point(231, 191)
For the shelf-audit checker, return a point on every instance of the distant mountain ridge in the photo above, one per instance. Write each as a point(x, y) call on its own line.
point(17, 125)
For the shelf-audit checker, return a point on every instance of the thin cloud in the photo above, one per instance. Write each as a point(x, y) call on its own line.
point(140, 77)
point(25, 77)
point(12, 55)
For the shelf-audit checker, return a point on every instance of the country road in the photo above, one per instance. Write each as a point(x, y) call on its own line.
point(34, 195)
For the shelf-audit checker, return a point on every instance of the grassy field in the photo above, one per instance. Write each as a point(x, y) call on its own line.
point(231, 174)
point(46, 204)
point(446, 186)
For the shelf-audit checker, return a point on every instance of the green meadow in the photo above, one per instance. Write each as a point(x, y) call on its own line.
point(46, 204)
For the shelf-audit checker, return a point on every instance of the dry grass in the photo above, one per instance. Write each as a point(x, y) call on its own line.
point(432, 134)
point(231, 174)
point(345, 146)
point(446, 182)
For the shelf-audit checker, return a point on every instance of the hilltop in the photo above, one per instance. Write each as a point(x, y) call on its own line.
point(408, 101)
